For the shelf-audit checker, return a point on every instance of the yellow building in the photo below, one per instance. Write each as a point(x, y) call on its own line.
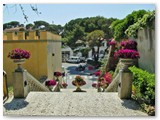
point(45, 53)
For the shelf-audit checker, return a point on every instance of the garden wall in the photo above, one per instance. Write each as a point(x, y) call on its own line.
point(146, 48)
point(45, 53)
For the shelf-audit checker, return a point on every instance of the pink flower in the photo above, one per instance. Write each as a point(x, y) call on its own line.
point(126, 53)
point(19, 54)
point(112, 43)
point(50, 83)
point(129, 44)
point(107, 78)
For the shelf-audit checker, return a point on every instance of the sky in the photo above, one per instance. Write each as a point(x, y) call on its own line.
point(63, 13)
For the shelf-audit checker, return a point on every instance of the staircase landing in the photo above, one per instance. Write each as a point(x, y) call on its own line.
point(68, 103)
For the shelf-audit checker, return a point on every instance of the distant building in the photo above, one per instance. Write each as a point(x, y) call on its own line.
point(66, 53)
point(101, 50)
point(15, 29)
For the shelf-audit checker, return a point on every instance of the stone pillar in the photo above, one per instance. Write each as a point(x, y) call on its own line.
point(125, 85)
point(125, 81)
point(20, 84)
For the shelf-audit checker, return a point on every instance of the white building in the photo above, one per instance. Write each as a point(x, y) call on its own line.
point(101, 50)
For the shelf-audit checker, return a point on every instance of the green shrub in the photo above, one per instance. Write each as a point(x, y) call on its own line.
point(144, 83)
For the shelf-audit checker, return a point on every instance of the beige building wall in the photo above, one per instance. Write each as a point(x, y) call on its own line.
point(54, 57)
point(41, 63)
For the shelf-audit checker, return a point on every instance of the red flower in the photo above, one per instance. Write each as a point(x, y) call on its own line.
point(57, 74)
point(64, 85)
point(107, 78)
point(90, 68)
point(97, 73)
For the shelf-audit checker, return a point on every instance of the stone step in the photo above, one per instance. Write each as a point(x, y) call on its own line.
point(71, 90)
point(68, 103)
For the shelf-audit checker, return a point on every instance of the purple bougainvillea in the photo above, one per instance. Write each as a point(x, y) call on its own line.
point(57, 74)
point(126, 53)
point(19, 54)
point(129, 44)
point(50, 83)
point(112, 43)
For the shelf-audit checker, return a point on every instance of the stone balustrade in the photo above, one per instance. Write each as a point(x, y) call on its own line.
point(35, 85)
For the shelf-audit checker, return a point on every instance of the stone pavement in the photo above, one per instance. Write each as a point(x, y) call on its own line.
point(68, 103)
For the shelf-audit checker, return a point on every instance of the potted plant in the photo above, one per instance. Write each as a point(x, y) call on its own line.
point(78, 82)
point(50, 84)
point(19, 56)
point(127, 57)
point(64, 85)
point(57, 74)
point(103, 82)
point(129, 44)
point(101, 85)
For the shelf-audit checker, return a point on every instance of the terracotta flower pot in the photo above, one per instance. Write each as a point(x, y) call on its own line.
point(78, 85)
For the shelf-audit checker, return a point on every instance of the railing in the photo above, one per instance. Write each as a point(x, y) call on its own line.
point(5, 86)
point(35, 85)
point(113, 87)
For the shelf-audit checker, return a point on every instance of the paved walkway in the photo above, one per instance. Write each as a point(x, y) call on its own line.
point(68, 103)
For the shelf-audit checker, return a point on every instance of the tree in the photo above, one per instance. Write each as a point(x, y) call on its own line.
point(29, 26)
point(94, 39)
point(71, 37)
point(120, 26)
point(57, 29)
point(11, 24)
point(40, 25)
point(83, 26)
